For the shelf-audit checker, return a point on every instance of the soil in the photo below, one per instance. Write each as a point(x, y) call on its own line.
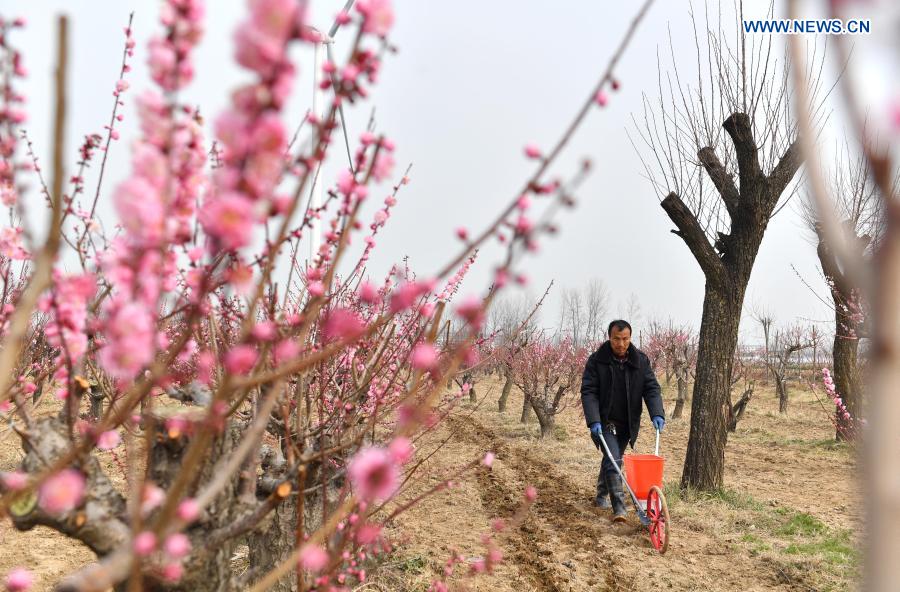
point(789, 498)
point(787, 520)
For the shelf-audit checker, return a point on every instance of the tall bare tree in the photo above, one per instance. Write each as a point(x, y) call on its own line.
point(596, 306)
point(723, 149)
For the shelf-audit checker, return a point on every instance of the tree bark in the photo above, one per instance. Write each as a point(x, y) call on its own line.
point(526, 408)
point(704, 464)
point(846, 379)
point(782, 388)
point(546, 418)
point(467, 379)
point(504, 394)
point(682, 395)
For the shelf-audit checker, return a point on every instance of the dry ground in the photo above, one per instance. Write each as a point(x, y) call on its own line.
point(786, 520)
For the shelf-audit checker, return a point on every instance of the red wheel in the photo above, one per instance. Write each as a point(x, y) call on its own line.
point(658, 513)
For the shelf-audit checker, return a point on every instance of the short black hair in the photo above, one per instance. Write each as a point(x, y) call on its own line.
point(620, 325)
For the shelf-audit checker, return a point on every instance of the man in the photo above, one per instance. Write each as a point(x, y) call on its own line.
point(616, 377)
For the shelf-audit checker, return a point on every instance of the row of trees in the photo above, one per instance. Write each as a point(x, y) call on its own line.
point(248, 397)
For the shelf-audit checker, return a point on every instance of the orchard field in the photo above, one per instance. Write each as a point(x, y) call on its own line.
point(776, 527)
point(230, 361)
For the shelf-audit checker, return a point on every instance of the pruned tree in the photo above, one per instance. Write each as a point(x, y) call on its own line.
point(514, 323)
point(548, 372)
point(672, 350)
point(740, 371)
point(785, 344)
point(724, 152)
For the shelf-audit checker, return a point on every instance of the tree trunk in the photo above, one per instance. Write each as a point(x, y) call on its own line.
point(467, 379)
point(704, 464)
point(96, 399)
point(272, 541)
point(782, 388)
point(846, 379)
point(682, 395)
point(546, 419)
point(526, 408)
point(504, 394)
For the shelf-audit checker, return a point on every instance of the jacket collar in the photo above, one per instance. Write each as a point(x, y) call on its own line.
point(605, 355)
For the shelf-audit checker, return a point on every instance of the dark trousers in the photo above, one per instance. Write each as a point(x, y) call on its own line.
point(616, 442)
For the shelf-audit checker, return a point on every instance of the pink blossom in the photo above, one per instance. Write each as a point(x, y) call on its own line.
point(343, 323)
point(373, 474)
point(274, 18)
point(129, 340)
point(532, 151)
point(144, 543)
point(367, 533)
point(62, 492)
point(316, 288)
point(8, 194)
point(488, 459)
point(108, 440)
point(313, 557)
point(423, 357)
point(471, 310)
point(161, 59)
point(407, 294)
point(177, 545)
point(384, 165)
point(255, 49)
point(14, 481)
point(229, 218)
point(368, 293)
point(11, 244)
point(231, 129)
point(462, 233)
point(241, 359)
point(268, 134)
point(188, 510)
point(530, 493)
point(601, 99)
point(346, 183)
point(19, 579)
point(401, 450)
point(264, 331)
point(286, 350)
point(378, 16)
point(151, 498)
point(173, 571)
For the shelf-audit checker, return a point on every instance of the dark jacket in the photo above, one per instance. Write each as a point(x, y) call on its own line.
point(640, 383)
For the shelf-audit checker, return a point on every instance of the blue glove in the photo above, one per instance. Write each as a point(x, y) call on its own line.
point(658, 422)
point(596, 433)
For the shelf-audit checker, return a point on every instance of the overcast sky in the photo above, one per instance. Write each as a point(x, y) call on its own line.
point(473, 82)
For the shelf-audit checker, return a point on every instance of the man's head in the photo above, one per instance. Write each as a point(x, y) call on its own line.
point(619, 333)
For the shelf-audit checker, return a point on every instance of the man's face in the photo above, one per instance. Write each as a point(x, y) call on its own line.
point(619, 339)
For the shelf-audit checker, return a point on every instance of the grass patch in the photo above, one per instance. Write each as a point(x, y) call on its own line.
point(559, 432)
point(819, 444)
point(801, 523)
point(414, 565)
point(756, 543)
point(835, 548)
point(734, 500)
